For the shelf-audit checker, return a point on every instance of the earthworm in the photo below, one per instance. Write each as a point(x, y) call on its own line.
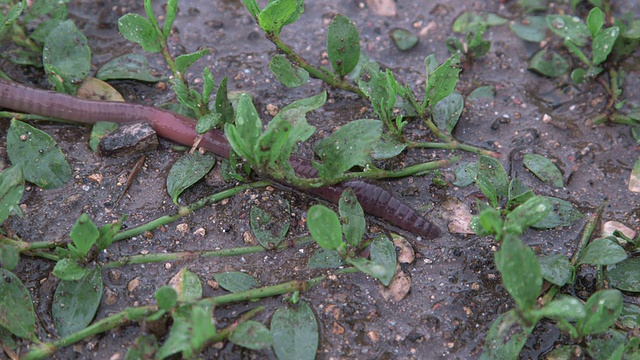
point(374, 199)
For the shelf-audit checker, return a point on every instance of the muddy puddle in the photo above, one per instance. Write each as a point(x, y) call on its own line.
point(456, 291)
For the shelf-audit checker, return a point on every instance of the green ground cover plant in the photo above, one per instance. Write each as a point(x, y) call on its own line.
point(596, 326)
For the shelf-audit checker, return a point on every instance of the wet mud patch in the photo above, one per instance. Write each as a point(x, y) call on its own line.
point(456, 291)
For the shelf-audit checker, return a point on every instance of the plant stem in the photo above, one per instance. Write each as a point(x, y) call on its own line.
point(187, 255)
point(452, 146)
point(321, 74)
point(46, 350)
point(259, 293)
point(186, 210)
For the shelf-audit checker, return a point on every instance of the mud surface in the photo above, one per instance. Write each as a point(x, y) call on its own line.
point(456, 291)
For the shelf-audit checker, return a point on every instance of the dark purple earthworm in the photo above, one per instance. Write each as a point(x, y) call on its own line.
point(374, 199)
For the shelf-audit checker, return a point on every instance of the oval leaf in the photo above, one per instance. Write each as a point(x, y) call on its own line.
point(268, 232)
point(251, 335)
point(352, 215)
point(447, 112)
point(36, 152)
point(75, 302)
point(383, 253)
point(562, 214)
point(603, 309)
point(295, 333)
point(544, 169)
point(16, 308)
point(131, 67)
point(139, 30)
point(289, 74)
point(187, 285)
point(66, 49)
point(343, 45)
point(569, 27)
point(187, 171)
point(604, 251)
point(548, 63)
point(556, 269)
point(520, 270)
point(11, 190)
point(325, 227)
point(625, 275)
point(235, 281)
point(404, 39)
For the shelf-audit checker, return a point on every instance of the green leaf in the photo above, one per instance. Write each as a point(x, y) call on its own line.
point(531, 28)
point(506, 337)
point(556, 269)
point(188, 170)
point(352, 216)
point(171, 10)
point(527, 214)
point(569, 27)
point(325, 227)
point(603, 309)
point(465, 174)
point(603, 44)
point(325, 259)
point(533, 5)
point(493, 170)
point(98, 131)
point(488, 189)
point(563, 307)
point(187, 285)
point(380, 87)
point(11, 190)
point(520, 270)
point(387, 148)
point(349, 146)
point(487, 222)
point(447, 112)
point(295, 333)
point(203, 328)
point(404, 39)
point(275, 15)
point(289, 74)
point(36, 152)
point(343, 45)
point(269, 232)
point(16, 308)
point(84, 234)
point(139, 30)
point(178, 339)
point(252, 6)
point(223, 105)
point(482, 92)
point(518, 194)
point(75, 302)
point(468, 21)
point(595, 21)
point(544, 169)
point(9, 257)
point(383, 253)
point(207, 122)
point(129, 67)
point(144, 347)
point(66, 50)
point(625, 275)
point(284, 132)
point(563, 214)
point(442, 81)
point(166, 297)
point(235, 281)
point(251, 335)
point(244, 134)
point(108, 233)
point(603, 251)
point(371, 268)
point(184, 61)
point(548, 63)
point(69, 270)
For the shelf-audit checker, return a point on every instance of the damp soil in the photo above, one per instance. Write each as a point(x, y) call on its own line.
point(456, 291)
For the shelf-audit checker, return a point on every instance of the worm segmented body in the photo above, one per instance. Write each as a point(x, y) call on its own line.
point(374, 199)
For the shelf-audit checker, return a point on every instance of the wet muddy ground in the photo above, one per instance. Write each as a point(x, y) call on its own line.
point(455, 291)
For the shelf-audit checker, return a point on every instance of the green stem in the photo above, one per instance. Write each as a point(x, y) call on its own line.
point(321, 74)
point(266, 291)
point(186, 210)
point(46, 350)
point(188, 255)
point(453, 145)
